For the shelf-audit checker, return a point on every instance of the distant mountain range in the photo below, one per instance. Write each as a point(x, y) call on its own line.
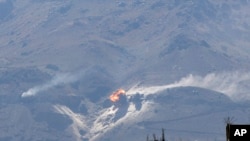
point(184, 65)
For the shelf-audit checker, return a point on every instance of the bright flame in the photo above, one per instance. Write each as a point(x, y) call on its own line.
point(114, 97)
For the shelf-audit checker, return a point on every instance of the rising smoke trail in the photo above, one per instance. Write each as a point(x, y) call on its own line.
point(62, 78)
point(233, 84)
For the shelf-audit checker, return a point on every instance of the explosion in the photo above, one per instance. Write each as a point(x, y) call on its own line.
point(114, 97)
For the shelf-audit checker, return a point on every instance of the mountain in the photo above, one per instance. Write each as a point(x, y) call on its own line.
point(177, 110)
point(183, 63)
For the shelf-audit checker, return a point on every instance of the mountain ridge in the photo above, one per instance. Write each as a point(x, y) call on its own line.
point(182, 63)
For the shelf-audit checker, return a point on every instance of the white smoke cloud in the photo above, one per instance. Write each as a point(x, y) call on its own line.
point(233, 84)
point(57, 80)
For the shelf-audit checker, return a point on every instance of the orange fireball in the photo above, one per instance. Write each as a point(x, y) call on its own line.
point(114, 97)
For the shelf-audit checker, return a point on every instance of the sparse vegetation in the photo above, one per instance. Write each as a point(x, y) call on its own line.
point(162, 138)
point(228, 121)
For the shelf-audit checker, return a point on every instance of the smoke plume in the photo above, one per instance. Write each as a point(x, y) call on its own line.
point(233, 84)
point(57, 80)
